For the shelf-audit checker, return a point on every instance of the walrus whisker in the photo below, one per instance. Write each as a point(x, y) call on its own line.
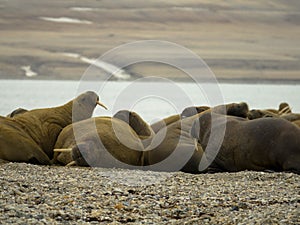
point(73, 163)
point(101, 104)
point(62, 149)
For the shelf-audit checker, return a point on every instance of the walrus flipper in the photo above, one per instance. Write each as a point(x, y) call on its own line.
point(37, 156)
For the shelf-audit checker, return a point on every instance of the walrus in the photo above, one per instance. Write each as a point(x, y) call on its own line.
point(120, 140)
point(137, 126)
point(174, 139)
point(30, 136)
point(97, 138)
point(177, 137)
point(262, 144)
point(130, 151)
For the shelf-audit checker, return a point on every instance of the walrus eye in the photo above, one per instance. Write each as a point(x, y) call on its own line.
point(97, 100)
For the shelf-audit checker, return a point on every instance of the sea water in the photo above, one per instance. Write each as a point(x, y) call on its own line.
point(152, 100)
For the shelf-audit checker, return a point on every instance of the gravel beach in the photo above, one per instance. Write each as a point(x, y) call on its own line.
point(32, 194)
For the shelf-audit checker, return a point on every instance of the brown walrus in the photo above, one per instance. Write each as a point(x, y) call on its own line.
point(262, 144)
point(174, 140)
point(137, 126)
point(121, 147)
point(176, 137)
point(30, 136)
point(101, 142)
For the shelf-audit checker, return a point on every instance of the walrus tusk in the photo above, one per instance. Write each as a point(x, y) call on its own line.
point(101, 104)
point(62, 149)
point(73, 163)
point(285, 110)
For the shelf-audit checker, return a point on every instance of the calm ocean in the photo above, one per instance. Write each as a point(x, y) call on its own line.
point(152, 100)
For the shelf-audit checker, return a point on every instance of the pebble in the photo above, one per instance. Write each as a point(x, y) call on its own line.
point(32, 194)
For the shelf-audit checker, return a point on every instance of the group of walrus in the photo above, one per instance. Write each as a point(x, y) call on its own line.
point(201, 139)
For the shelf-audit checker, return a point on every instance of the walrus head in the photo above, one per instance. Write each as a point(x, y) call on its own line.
point(84, 105)
point(284, 108)
point(238, 109)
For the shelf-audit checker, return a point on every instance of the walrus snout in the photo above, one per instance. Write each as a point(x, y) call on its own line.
point(84, 105)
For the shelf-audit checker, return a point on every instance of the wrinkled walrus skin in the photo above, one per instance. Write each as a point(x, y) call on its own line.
point(173, 138)
point(116, 137)
point(30, 136)
point(121, 141)
point(66, 139)
point(261, 144)
point(125, 145)
point(177, 137)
